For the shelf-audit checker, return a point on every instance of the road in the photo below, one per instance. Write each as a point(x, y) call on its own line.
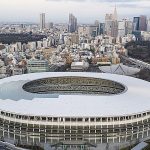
point(138, 63)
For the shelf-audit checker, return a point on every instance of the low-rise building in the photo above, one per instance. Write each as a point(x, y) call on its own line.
point(35, 65)
point(79, 66)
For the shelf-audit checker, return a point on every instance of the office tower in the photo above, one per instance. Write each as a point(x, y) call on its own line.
point(111, 24)
point(96, 23)
point(140, 23)
point(143, 23)
point(87, 31)
point(72, 23)
point(101, 28)
point(42, 21)
point(148, 25)
point(136, 23)
point(108, 23)
point(121, 28)
point(114, 28)
point(129, 27)
point(124, 27)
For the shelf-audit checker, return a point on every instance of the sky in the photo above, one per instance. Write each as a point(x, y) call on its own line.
point(87, 11)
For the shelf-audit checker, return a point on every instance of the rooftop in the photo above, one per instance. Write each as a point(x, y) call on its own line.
point(13, 98)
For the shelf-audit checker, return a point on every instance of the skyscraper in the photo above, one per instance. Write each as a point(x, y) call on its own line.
point(121, 28)
point(140, 23)
point(124, 27)
point(101, 28)
point(129, 27)
point(136, 23)
point(108, 23)
point(42, 21)
point(111, 24)
point(148, 25)
point(114, 28)
point(143, 23)
point(72, 27)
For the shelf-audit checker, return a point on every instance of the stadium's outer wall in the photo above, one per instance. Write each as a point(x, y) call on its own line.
point(40, 129)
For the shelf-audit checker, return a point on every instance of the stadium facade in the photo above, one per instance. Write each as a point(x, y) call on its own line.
point(63, 108)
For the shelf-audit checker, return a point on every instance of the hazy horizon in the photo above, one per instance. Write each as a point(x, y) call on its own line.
point(87, 11)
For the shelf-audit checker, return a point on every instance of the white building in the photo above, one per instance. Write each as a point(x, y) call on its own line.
point(121, 28)
point(45, 43)
point(80, 65)
point(32, 46)
point(34, 65)
point(39, 44)
point(19, 46)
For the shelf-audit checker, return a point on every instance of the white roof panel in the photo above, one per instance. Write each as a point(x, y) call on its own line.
point(14, 99)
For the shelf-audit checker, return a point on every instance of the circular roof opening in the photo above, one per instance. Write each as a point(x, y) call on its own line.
point(74, 85)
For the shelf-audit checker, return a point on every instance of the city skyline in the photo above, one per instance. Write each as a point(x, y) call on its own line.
point(57, 10)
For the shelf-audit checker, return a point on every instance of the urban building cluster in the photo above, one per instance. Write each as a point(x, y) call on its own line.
point(70, 47)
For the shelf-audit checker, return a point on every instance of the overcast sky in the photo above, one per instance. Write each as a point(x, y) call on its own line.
point(87, 11)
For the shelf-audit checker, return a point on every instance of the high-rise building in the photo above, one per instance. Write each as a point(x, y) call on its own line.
point(87, 31)
point(121, 28)
point(136, 23)
point(108, 23)
point(143, 23)
point(72, 27)
point(140, 23)
point(42, 21)
point(129, 27)
point(111, 24)
point(124, 27)
point(114, 28)
point(101, 28)
point(148, 25)
point(96, 23)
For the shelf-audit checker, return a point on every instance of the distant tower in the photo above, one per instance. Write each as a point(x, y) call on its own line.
point(136, 23)
point(108, 23)
point(42, 21)
point(143, 23)
point(111, 24)
point(140, 23)
point(115, 15)
point(148, 25)
point(72, 23)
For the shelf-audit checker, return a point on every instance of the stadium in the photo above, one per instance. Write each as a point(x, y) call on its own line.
point(74, 109)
